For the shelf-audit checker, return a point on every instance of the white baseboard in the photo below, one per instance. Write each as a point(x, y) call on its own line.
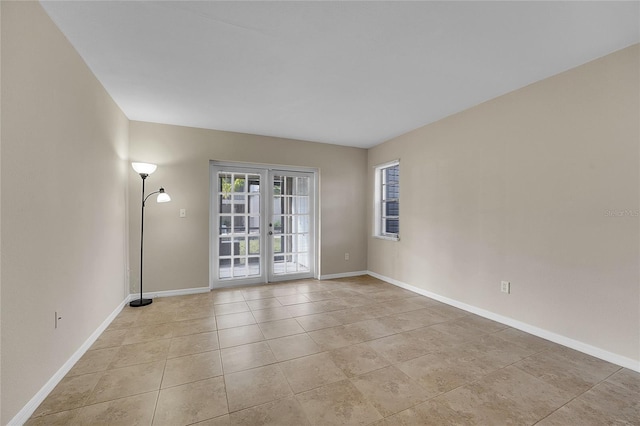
point(342, 275)
point(31, 406)
point(26, 412)
point(169, 293)
point(620, 360)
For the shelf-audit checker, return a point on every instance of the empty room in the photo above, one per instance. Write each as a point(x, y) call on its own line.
point(319, 213)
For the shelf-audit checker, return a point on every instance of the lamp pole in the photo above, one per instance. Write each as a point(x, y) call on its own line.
point(141, 301)
point(162, 197)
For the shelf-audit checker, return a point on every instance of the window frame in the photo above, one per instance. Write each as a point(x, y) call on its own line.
point(380, 202)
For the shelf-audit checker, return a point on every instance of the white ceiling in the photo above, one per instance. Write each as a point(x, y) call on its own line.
point(348, 73)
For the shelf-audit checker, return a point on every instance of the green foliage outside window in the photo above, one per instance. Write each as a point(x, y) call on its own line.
point(238, 186)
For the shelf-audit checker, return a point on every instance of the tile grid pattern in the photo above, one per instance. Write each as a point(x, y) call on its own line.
point(347, 351)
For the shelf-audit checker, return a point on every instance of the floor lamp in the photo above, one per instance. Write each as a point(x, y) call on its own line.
point(144, 170)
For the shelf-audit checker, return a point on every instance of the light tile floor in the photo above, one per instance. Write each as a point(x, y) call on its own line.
point(349, 351)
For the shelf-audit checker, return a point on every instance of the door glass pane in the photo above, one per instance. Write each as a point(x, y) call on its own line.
point(254, 204)
point(240, 267)
point(278, 244)
point(225, 204)
point(224, 268)
point(301, 205)
point(254, 224)
point(291, 263)
point(303, 243)
point(277, 205)
point(224, 248)
point(239, 216)
point(291, 220)
point(303, 262)
point(254, 183)
point(239, 203)
point(277, 186)
point(254, 245)
point(302, 224)
point(224, 183)
point(241, 226)
point(239, 183)
point(225, 225)
point(288, 185)
point(254, 265)
point(239, 247)
point(303, 186)
point(277, 225)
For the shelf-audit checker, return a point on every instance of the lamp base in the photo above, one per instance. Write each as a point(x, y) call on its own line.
point(140, 302)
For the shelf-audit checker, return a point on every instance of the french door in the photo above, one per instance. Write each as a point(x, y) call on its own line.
point(262, 225)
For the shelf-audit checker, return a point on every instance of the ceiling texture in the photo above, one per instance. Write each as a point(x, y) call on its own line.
point(347, 73)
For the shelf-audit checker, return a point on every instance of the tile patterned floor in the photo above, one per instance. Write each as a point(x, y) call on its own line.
point(349, 351)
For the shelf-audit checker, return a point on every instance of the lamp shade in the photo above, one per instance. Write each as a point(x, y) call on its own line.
point(144, 168)
point(163, 197)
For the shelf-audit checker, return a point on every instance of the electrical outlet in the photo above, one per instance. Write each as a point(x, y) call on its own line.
point(346, 256)
point(505, 287)
point(183, 212)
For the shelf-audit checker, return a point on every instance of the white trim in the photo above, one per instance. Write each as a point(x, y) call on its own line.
point(386, 237)
point(377, 202)
point(169, 293)
point(342, 275)
point(603, 354)
point(313, 215)
point(266, 172)
point(268, 166)
point(31, 406)
point(387, 164)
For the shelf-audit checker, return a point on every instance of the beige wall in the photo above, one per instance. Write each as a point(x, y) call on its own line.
point(518, 189)
point(177, 250)
point(64, 183)
point(515, 189)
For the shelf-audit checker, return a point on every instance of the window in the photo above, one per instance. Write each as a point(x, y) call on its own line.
point(387, 187)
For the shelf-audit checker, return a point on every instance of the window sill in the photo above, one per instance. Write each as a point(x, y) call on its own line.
point(385, 237)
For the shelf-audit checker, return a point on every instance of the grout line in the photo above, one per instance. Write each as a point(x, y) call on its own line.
point(155, 407)
point(279, 364)
point(580, 394)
